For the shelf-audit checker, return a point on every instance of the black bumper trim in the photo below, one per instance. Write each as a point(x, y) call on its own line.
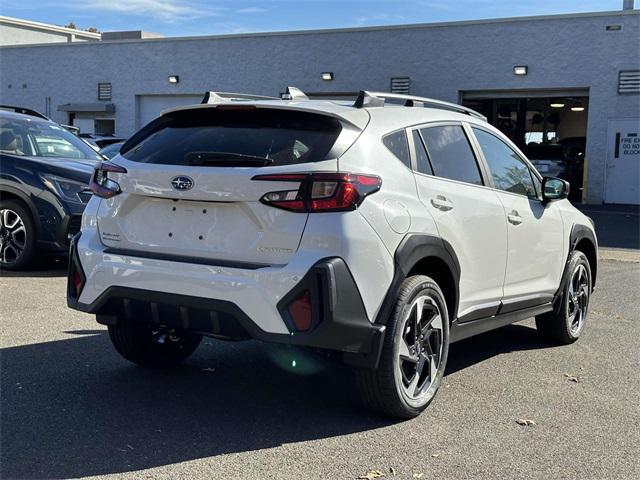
point(342, 324)
point(186, 259)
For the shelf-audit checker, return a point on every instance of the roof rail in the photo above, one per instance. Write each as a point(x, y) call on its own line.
point(220, 97)
point(377, 99)
point(24, 111)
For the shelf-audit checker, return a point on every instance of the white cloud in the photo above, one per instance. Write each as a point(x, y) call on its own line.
point(251, 10)
point(163, 10)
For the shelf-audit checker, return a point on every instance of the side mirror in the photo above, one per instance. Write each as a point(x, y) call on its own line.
point(554, 188)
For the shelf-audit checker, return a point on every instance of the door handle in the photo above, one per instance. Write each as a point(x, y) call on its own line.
point(514, 217)
point(441, 203)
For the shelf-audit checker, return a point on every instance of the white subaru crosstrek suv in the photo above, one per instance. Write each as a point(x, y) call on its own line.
point(381, 230)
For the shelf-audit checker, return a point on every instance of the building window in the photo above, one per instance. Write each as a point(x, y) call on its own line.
point(400, 85)
point(629, 81)
point(104, 91)
point(104, 126)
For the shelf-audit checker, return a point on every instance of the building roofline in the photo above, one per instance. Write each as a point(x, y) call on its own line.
point(410, 26)
point(48, 27)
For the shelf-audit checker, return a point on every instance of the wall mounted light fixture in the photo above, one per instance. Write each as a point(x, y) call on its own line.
point(520, 70)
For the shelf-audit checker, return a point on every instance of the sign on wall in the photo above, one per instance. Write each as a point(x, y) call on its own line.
point(623, 162)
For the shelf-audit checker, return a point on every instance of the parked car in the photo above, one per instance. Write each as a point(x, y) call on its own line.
point(45, 171)
point(30, 111)
point(378, 232)
point(111, 150)
point(100, 141)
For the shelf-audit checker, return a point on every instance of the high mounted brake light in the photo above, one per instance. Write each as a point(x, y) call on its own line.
point(100, 184)
point(321, 192)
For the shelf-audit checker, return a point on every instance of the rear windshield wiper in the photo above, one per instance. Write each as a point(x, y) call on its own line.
point(226, 159)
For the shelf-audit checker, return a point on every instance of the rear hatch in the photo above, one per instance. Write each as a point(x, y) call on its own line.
point(188, 190)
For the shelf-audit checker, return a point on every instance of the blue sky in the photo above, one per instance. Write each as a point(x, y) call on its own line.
point(200, 17)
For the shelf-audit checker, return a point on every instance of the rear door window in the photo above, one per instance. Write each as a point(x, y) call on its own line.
point(397, 143)
point(246, 136)
point(451, 154)
point(423, 165)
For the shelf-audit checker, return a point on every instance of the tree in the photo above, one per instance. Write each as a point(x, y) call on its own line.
point(71, 25)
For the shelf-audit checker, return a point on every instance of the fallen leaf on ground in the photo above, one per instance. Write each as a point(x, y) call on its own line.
point(392, 471)
point(418, 475)
point(435, 455)
point(371, 474)
point(525, 422)
point(571, 378)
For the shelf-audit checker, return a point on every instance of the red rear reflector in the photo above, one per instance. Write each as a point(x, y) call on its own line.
point(78, 282)
point(321, 192)
point(300, 311)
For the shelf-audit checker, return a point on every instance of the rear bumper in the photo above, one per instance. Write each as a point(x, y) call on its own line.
point(227, 302)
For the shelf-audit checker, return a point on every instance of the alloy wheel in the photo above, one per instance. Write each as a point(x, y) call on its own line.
point(578, 301)
point(420, 348)
point(13, 236)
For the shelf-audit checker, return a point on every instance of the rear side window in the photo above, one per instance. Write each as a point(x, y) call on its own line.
point(234, 137)
point(397, 143)
point(450, 153)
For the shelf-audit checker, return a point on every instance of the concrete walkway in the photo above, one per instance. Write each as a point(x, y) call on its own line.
point(618, 230)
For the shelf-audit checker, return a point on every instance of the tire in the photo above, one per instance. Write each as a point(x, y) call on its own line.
point(391, 388)
point(565, 323)
point(150, 347)
point(17, 236)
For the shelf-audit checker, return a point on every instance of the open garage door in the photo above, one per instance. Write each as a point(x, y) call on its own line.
point(549, 126)
point(149, 107)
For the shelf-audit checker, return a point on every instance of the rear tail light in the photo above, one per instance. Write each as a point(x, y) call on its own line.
point(100, 184)
point(321, 192)
point(300, 311)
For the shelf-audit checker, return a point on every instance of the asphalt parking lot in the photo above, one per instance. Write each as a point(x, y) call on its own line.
point(71, 407)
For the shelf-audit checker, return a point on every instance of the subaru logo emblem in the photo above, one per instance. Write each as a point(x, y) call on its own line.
point(182, 183)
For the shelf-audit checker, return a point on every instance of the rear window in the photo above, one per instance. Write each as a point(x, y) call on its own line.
point(242, 136)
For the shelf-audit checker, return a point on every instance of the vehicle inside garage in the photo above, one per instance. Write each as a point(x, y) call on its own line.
point(550, 130)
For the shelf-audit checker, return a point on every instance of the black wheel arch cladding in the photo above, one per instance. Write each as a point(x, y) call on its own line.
point(413, 249)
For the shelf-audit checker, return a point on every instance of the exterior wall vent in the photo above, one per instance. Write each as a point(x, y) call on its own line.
point(104, 91)
point(400, 85)
point(629, 81)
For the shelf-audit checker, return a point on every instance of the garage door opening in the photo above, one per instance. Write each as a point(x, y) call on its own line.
point(551, 129)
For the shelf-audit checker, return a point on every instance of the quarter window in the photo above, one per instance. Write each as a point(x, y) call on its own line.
point(397, 143)
point(508, 170)
point(450, 154)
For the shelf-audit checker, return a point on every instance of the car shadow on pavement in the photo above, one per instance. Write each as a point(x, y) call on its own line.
point(45, 267)
point(74, 408)
point(512, 338)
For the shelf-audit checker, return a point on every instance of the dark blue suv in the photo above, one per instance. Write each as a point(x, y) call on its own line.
point(44, 172)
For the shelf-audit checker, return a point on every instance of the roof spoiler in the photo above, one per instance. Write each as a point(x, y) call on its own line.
point(211, 98)
point(24, 111)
